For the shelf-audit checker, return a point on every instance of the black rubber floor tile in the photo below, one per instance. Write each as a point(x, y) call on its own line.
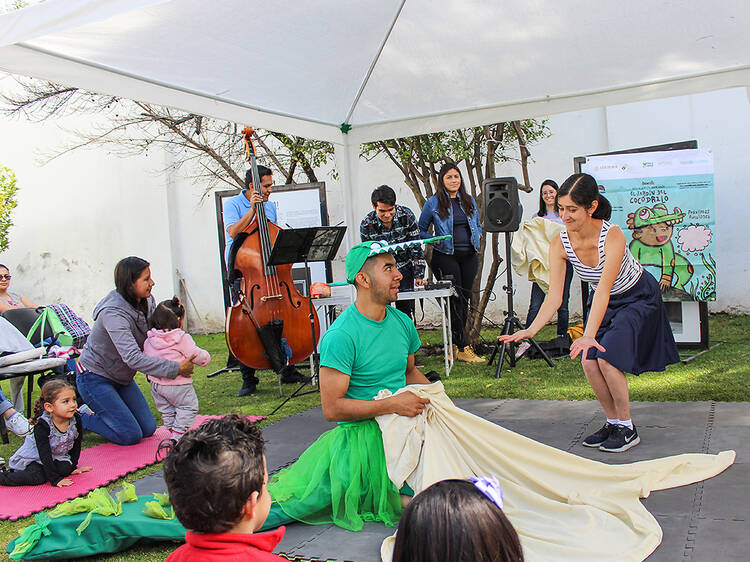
point(720, 540)
point(331, 542)
point(150, 484)
point(732, 413)
point(287, 439)
point(672, 547)
point(477, 406)
point(670, 414)
point(728, 496)
point(675, 502)
point(558, 435)
point(546, 410)
point(736, 438)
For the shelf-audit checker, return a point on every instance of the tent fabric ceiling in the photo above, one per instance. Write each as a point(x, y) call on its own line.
point(387, 67)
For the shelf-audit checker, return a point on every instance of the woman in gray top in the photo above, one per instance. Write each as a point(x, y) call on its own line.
point(114, 353)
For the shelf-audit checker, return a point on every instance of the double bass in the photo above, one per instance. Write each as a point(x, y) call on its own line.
point(269, 307)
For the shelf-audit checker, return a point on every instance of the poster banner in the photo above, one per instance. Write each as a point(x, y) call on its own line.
point(664, 203)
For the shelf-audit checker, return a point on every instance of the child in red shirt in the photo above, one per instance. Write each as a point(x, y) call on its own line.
point(217, 480)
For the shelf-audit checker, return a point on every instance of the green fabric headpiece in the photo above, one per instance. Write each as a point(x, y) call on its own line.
point(359, 254)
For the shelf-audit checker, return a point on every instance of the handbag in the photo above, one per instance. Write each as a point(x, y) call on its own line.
point(49, 324)
point(78, 329)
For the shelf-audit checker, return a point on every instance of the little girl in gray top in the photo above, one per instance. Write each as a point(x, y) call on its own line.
point(50, 453)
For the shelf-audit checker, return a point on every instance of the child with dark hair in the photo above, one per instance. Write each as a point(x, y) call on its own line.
point(50, 453)
point(460, 521)
point(217, 481)
point(175, 398)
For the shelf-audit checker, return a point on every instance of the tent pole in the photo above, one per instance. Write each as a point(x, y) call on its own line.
point(347, 156)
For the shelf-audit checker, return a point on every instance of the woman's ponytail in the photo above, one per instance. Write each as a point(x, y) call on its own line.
point(603, 209)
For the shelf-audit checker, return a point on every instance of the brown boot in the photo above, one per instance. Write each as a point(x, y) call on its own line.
point(467, 355)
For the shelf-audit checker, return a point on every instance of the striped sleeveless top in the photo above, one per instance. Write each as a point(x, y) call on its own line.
point(630, 269)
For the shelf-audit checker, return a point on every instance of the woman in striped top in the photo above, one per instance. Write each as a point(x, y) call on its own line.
point(627, 329)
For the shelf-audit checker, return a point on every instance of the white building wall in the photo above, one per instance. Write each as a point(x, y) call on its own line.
point(78, 215)
point(85, 210)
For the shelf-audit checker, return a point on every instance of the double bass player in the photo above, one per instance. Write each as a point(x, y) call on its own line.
point(239, 214)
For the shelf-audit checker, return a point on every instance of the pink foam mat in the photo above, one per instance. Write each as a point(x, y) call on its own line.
point(108, 461)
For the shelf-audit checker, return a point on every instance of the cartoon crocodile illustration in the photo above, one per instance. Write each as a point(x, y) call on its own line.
point(652, 245)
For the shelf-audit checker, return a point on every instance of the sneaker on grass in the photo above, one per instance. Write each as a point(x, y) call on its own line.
point(596, 439)
point(621, 439)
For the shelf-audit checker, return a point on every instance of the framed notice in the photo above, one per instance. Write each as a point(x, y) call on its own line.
point(297, 206)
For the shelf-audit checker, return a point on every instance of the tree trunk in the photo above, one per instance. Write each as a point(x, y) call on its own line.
point(524, 151)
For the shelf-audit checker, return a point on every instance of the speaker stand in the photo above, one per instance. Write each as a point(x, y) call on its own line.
point(512, 323)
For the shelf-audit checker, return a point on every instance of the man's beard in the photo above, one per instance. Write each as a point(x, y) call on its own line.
point(383, 295)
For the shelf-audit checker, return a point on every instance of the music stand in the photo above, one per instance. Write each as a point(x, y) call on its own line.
point(311, 244)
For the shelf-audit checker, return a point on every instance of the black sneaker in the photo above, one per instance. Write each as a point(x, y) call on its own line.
point(432, 376)
point(249, 385)
point(596, 439)
point(621, 439)
point(290, 375)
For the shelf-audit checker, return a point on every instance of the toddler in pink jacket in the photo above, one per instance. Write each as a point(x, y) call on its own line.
point(175, 398)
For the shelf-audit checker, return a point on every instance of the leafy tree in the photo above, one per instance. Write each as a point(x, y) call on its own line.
point(477, 150)
point(8, 202)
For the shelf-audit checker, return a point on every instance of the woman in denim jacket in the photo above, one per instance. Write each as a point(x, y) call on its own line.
point(453, 211)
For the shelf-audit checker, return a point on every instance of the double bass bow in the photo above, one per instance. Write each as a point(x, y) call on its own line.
point(269, 306)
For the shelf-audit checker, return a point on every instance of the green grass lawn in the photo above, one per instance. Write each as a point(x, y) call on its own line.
point(723, 374)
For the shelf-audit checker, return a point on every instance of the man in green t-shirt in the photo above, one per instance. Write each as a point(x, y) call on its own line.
point(370, 347)
point(342, 477)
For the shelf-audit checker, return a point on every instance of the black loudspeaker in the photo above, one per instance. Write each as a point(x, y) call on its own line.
point(502, 210)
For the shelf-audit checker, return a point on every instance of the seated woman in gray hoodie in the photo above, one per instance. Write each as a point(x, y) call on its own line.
point(114, 353)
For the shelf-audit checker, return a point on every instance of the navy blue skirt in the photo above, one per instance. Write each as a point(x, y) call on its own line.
point(635, 330)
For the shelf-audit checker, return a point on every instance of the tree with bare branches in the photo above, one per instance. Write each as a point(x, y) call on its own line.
point(477, 150)
point(209, 151)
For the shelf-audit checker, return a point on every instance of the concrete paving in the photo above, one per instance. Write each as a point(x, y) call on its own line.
point(706, 521)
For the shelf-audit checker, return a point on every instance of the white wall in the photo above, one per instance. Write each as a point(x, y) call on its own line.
point(85, 210)
point(78, 215)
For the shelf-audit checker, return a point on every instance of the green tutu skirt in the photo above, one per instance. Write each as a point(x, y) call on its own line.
point(340, 479)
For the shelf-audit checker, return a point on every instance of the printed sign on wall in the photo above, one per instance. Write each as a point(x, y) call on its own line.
point(664, 203)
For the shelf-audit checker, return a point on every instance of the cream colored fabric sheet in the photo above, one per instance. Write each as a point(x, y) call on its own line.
point(529, 252)
point(564, 507)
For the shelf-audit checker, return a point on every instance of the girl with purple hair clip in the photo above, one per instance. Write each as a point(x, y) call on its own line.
point(460, 521)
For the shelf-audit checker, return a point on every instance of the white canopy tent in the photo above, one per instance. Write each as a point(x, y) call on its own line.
point(385, 68)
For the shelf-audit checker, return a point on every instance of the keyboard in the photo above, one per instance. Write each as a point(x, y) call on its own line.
point(438, 285)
